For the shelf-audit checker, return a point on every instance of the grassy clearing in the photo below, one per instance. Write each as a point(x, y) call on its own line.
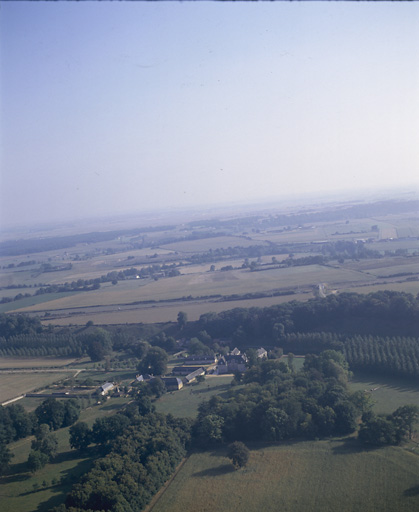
point(17, 489)
point(15, 384)
point(302, 477)
point(388, 394)
point(184, 403)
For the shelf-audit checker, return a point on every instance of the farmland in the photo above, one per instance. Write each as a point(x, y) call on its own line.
point(15, 384)
point(221, 258)
point(298, 477)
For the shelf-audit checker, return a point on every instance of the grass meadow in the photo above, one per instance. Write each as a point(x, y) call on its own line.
point(15, 384)
point(326, 476)
point(185, 402)
point(388, 394)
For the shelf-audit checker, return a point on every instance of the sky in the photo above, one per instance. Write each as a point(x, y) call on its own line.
point(109, 108)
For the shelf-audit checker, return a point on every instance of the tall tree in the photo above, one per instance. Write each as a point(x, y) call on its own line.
point(239, 454)
point(154, 362)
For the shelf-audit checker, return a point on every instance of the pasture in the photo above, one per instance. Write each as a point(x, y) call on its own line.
point(185, 402)
point(15, 384)
point(297, 477)
point(387, 393)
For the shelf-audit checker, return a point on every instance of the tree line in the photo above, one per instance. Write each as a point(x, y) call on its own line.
point(140, 452)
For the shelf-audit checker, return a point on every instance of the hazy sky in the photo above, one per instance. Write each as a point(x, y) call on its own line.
point(123, 106)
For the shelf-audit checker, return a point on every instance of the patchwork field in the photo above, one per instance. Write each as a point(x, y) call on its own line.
point(298, 477)
point(309, 226)
point(209, 283)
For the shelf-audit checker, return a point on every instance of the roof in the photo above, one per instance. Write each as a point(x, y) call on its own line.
point(107, 386)
point(196, 373)
point(144, 377)
point(171, 380)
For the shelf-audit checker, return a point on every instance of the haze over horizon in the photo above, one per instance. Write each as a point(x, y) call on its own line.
point(112, 108)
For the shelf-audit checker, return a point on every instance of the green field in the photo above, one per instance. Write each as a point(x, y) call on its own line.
point(185, 402)
point(326, 476)
point(388, 394)
point(15, 384)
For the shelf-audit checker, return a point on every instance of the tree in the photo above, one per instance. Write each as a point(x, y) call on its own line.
point(5, 457)
point(239, 454)
point(210, 429)
point(45, 441)
point(51, 412)
point(71, 412)
point(99, 344)
point(290, 361)
point(154, 362)
point(405, 418)
point(80, 436)
point(106, 429)
point(182, 319)
point(377, 431)
point(36, 460)
point(196, 347)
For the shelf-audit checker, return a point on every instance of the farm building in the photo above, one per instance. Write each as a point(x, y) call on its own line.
point(172, 383)
point(262, 353)
point(106, 388)
point(144, 378)
point(192, 376)
point(185, 370)
point(231, 364)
